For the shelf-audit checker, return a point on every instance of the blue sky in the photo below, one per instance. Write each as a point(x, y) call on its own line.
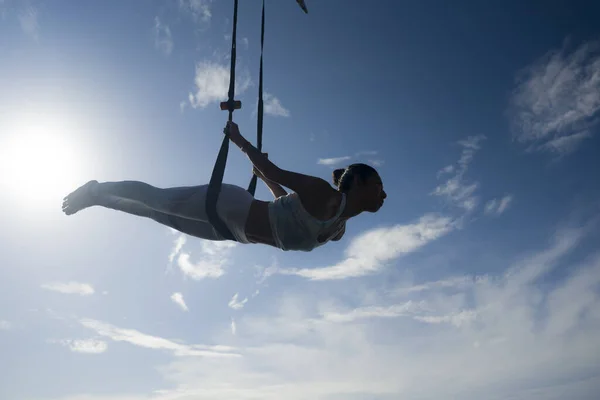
point(479, 279)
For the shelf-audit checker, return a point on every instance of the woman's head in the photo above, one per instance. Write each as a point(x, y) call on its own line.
point(364, 181)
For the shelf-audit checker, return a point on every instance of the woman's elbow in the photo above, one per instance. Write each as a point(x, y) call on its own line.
point(272, 173)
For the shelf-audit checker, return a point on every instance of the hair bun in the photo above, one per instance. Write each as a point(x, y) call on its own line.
point(337, 175)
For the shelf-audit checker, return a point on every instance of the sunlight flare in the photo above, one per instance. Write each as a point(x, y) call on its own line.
point(41, 160)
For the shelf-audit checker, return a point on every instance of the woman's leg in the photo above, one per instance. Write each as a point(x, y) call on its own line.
point(87, 196)
point(199, 229)
point(186, 202)
point(182, 208)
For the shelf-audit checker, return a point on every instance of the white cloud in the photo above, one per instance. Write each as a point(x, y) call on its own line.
point(566, 144)
point(455, 189)
point(28, 19)
point(507, 346)
point(199, 9)
point(82, 289)
point(557, 99)
point(272, 106)
point(370, 251)
point(178, 299)
point(233, 327)
point(163, 40)
point(446, 170)
point(212, 84)
point(214, 257)
point(201, 269)
point(510, 335)
point(333, 161)
point(415, 310)
point(453, 282)
point(457, 319)
point(235, 304)
point(85, 346)
point(393, 311)
point(140, 339)
point(5, 325)
point(498, 206)
point(179, 243)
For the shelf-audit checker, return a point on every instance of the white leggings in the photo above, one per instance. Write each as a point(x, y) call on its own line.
point(181, 208)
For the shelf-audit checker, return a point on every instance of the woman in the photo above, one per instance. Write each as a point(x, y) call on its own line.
point(308, 218)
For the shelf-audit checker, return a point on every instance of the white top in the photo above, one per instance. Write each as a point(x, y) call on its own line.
point(295, 229)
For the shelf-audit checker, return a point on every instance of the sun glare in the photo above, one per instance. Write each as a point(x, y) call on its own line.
point(40, 161)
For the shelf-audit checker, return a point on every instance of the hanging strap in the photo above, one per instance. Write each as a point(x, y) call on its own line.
point(216, 179)
point(259, 120)
point(214, 187)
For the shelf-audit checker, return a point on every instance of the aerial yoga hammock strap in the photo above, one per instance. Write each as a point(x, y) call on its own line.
point(214, 187)
point(259, 119)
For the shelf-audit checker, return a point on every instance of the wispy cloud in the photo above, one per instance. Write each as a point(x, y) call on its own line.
point(199, 9)
point(457, 319)
point(336, 161)
point(212, 260)
point(453, 282)
point(448, 169)
point(178, 245)
point(456, 189)
point(541, 337)
point(178, 299)
point(370, 252)
point(272, 106)
point(393, 311)
point(235, 304)
point(498, 206)
point(5, 325)
point(211, 268)
point(140, 339)
point(82, 289)
point(85, 346)
point(212, 84)
point(28, 18)
point(556, 102)
point(163, 40)
point(536, 335)
point(415, 310)
point(376, 162)
point(3, 9)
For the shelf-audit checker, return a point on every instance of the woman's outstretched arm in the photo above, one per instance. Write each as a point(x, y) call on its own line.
point(260, 162)
point(274, 187)
point(316, 188)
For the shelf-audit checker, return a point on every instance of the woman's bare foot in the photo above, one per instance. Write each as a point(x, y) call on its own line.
point(82, 197)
